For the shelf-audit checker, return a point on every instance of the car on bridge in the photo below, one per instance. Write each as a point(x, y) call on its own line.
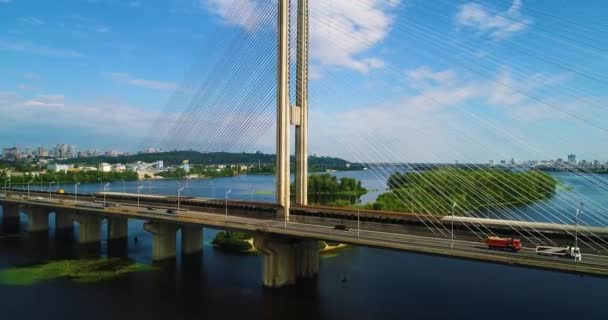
point(342, 227)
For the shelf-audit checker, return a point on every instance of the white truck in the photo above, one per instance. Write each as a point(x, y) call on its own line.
point(563, 252)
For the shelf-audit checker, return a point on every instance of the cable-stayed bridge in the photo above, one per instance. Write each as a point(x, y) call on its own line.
point(229, 102)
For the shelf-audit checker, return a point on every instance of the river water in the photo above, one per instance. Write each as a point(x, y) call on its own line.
point(356, 283)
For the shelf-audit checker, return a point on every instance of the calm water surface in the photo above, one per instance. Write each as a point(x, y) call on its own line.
point(380, 284)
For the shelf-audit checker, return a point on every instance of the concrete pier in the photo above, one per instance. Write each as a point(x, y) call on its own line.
point(118, 228)
point(10, 218)
point(192, 239)
point(307, 258)
point(90, 228)
point(37, 219)
point(163, 240)
point(64, 220)
point(279, 264)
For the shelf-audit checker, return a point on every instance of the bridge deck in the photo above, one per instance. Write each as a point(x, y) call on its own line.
point(476, 250)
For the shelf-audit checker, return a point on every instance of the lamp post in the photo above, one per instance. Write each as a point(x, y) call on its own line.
point(227, 193)
point(180, 188)
point(124, 186)
point(50, 193)
point(578, 211)
point(107, 185)
point(28, 188)
point(139, 187)
point(76, 191)
point(452, 241)
point(358, 217)
point(100, 184)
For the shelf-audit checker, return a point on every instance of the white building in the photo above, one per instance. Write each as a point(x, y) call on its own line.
point(54, 167)
point(105, 167)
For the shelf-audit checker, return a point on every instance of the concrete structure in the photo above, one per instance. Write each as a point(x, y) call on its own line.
point(10, 218)
point(118, 228)
point(37, 219)
point(64, 220)
point(286, 259)
point(283, 127)
point(301, 132)
point(192, 239)
point(163, 239)
point(54, 167)
point(90, 228)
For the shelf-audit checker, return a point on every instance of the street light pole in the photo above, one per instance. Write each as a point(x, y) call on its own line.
point(76, 191)
point(139, 187)
point(358, 217)
point(124, 186)
point(578, 211)
point(227, 193)
point(180, 188)
point(104, 193)
point(50, 193)
point(452, 241)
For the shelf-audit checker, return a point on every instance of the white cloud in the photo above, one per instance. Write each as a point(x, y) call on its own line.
point(429, 125)
point(32, 20)
point(102, 29)
point(496, 25)
point(104, 119)
point(134, 4)
point(39, 50)
point(341, 31)
point(122, 77)
point(31, 76)
point(5, 1)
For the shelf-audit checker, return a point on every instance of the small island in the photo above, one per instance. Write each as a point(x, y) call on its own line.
point(436, 191)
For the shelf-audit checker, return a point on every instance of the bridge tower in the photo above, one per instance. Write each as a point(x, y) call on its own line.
point(283, 119)
point(296, 115)
point(301, 174)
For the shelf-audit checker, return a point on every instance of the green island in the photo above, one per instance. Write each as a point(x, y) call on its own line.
point(241, 242)
point(436, 191)
point(81, 271)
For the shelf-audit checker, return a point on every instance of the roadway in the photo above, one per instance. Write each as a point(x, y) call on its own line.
point(461, 247)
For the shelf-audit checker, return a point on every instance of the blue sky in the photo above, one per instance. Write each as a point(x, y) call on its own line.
point(390, 80)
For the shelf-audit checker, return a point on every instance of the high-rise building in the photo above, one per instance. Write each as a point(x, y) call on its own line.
point(572, 158)
point(10, 153)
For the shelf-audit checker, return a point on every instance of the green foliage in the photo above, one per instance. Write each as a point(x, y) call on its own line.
point(62, 177)
point(84, 271)
point(435, 191)
point(232, 241)
point(325, 189)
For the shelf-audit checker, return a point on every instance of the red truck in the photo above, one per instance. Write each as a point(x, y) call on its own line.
point(503, 243)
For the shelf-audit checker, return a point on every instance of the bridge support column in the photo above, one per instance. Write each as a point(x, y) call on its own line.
point(64, 220)
point(37, 219)
point(192, 239)
point(10, 218)
point(118, 228)
point(307, 258)
point(163, 240)
point(90, 228)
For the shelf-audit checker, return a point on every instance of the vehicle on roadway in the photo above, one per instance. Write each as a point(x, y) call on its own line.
point(562, 252)
point(498, 243)
point(342, 227)
point(170, 211)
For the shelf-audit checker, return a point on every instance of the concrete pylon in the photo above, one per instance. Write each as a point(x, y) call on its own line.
point(163, 240)
point(301, 173)
point(37, 219)
point(283, 119)
point(307, 258)
point(118, 228)
point(90, 228)
point(279, 268)
point(64, 220)
point(10, 218)
point(192, 239)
